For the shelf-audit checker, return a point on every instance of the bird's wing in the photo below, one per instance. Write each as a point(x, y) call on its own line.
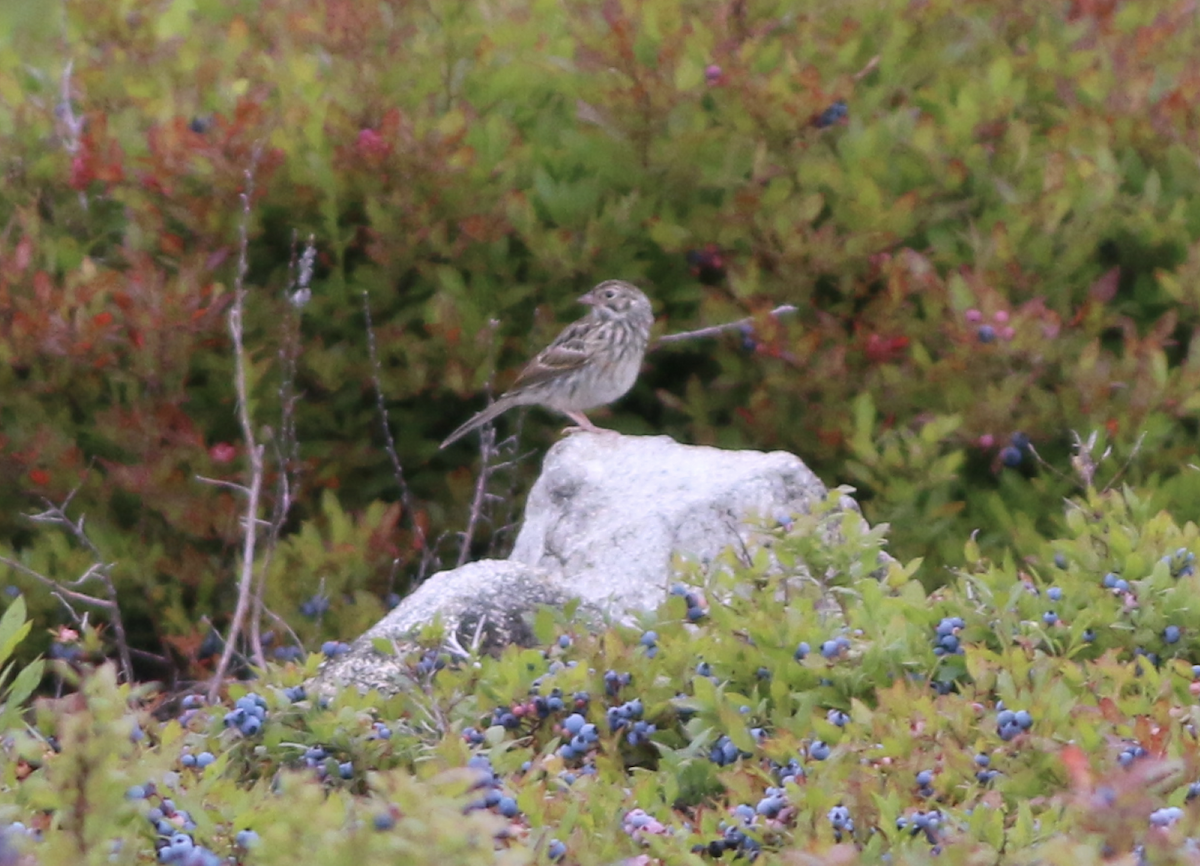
point(570, 350)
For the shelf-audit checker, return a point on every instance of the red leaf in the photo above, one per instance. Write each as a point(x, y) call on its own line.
point(1076, 763)
point(39, 477)
point(1105, 288)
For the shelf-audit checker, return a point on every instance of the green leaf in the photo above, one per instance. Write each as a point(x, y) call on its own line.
point(13, 627)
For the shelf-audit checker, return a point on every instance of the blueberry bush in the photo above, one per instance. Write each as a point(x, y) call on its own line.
point(983, 219)
point(1040, 710)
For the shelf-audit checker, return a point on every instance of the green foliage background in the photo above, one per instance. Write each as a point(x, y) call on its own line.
point(461, 162)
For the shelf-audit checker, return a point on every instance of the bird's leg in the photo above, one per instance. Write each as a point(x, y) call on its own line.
point(583, 424)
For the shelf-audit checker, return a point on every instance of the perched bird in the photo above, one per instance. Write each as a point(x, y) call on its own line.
point(591, 363)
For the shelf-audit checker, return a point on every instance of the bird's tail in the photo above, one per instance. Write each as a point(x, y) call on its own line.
point(478, 420)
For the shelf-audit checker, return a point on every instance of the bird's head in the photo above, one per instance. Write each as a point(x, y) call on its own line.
point(618, 299)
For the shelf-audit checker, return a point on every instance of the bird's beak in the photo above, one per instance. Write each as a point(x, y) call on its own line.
point(589, 300)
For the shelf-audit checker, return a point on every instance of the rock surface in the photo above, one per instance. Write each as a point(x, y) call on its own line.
point(609, 512)
point(604, 523)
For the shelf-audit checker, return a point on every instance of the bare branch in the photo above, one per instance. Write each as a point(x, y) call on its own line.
point(406, 498)
point(254, 451)
point(286, 445)
point(217, 482)
point(717, 330)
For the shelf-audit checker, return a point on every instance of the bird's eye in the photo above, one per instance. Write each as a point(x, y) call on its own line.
point(610, 294)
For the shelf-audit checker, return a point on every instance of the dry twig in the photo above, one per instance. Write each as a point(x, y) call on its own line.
point(254, 450)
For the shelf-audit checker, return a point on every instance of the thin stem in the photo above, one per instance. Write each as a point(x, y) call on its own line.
point(254, 451)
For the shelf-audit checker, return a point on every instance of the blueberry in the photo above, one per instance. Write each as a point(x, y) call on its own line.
point(1166, 816)
point(1171, 634)
point(924, 778)
point(835, 113)
point(987, 334)
point(508, 807)
point(1023, 719)
point(1049, 617)
point(829, 649)
point(801, 651)
point(650, 638)
point(983, 760)
point(556, 850)
point(819, 751)
point(770, 807)
point(1010, 456)
point(1054, 593)
point(1060, 560)
point(384, 821)
point(1110, 580)
point(246, 839)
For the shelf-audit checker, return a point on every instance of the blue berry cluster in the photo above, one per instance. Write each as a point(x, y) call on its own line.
point(792, 771)
point(181, 849)
point(1013, 454)
point(289, 653)
point(493, 794)
point(835, 647)
point(724, 752)
point(695, 602)
point(840, 820)
point(638, 823)
point(984, 774)
point(198, 761)
point(734, 836)
point(334, 648)
point(1182, 562)
point(946, 640)
point(1131, 753)
point(174, 827)
point(584, 737)
point(315, 758)
point(628, 717)
point(925, 783)
point(430, 663)
point(773, 802)
point(315, 606)
point(1166, 816)
point(614, 682)
point(649, 641)
point(929, 823)
point(248, 714)
point(1115, 583)
point(1009, 723)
